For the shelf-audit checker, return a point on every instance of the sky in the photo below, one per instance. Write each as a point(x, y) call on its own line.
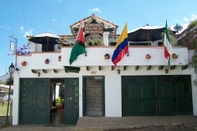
point(19, 18)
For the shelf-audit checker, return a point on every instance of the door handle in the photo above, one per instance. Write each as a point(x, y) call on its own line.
point(69, 98)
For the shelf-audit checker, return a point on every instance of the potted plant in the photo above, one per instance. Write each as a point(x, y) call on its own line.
point(100, 42)
point(59, 58)
point(148, 56)
point(46, 61)
point(107, 56)
point(24, 63)
point(91, 42)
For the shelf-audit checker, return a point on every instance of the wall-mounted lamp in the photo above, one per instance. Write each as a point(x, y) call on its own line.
point(17, 69)
point(118, 71)
point(128, 53)
point(166, 70)
point(39, 74)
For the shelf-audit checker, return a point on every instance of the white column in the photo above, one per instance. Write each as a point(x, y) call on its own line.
point(194, 96)
point(105, 38)
point(15, 107)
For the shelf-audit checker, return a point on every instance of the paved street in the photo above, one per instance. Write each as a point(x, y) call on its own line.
point(149, 123)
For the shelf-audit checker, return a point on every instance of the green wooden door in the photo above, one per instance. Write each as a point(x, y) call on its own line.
point(156, 95)
point(183, 95)
point(147, 94)
point(165, 97)
point(71, 100)
point(131, 98)
point(34, 101)
point(138, 96)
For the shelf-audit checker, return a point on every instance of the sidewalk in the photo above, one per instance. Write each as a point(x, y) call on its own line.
point(115, 124)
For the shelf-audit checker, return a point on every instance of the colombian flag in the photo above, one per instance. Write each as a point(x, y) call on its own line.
point(121, 47)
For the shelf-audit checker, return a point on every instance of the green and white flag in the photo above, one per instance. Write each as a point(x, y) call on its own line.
point(78, 47)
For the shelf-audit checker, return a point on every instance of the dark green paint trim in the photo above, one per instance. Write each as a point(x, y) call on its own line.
point(112, 68)
point(125, 67)
point(172, 67)
point(84, 94)
point(137, 67)
point(71, 69)
point(87, 68)
point(33, 71)
point(100, 68)
point(160, 67)
point(184, 67)
point(44, 70)
point(148, 67)
point(55, 70)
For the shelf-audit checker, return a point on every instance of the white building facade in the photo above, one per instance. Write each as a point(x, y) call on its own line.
point(94, 87)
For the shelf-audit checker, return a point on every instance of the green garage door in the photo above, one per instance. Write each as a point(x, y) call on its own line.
point(34, 101)
point(156, 95)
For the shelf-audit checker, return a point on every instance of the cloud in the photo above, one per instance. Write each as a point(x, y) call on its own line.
point(194, 17)
point(21, 28)
point(95, 10)
point(29, 32)
point(4, 27)
point(186, 19)
point(59, 0)
point(54, 20)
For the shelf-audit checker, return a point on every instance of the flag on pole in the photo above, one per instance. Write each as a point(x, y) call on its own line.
point(167, 45)
point(121, 47)
point(79, 46)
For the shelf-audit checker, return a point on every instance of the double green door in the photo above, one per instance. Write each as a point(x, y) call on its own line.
point(34, 101)
point(156, 95)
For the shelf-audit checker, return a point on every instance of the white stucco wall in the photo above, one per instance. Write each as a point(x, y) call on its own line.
point(95, 58)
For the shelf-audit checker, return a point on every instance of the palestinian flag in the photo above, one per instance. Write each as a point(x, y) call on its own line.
point(78, 47)
point(167, 45)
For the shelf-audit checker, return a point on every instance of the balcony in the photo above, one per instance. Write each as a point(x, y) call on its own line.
point(95, 57)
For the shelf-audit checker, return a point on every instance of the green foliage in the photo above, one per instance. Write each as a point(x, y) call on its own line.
point(91, 42)
point(62, 101)
point(179, 43)
point(58, 101)
point(1, 82)
point(171, 35)
point(192, 25)
point(9, 81)
point(191, 37)
point(100, 42)
point(193, 63)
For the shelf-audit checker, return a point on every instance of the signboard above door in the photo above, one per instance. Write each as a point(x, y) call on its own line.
point(93, 28)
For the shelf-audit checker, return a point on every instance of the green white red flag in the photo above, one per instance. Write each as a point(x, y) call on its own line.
point(168, 50)
point(79, 46)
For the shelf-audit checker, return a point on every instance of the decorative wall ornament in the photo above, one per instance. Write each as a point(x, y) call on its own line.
point(174, 56)
point(60, 58)
point(46, 61)
point(24, 63)
point(148, 56)
point(107, 56)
